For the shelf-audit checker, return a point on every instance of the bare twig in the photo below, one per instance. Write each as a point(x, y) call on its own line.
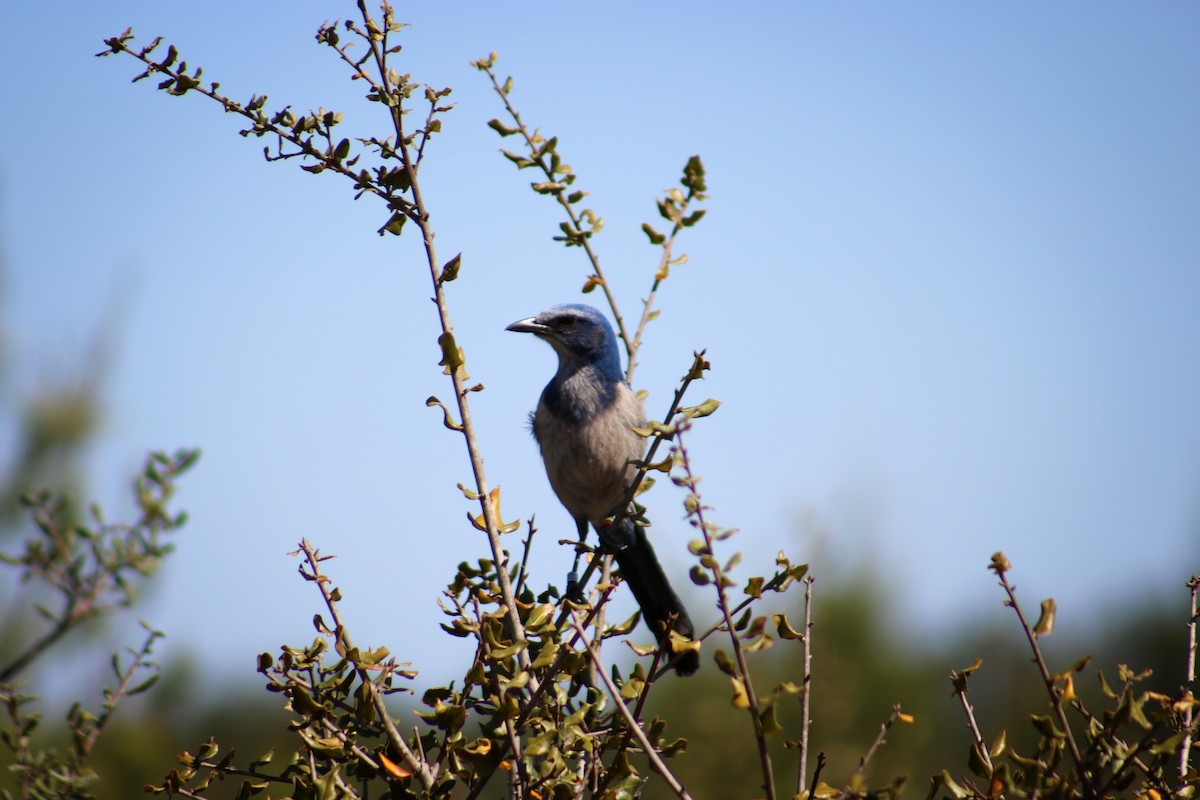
point(597, 643)
point(1185, 749)
point(812, 787)
point(880, 739)
point(959, 679)
point(805, 706)
point(527, 545)
point(229, 769)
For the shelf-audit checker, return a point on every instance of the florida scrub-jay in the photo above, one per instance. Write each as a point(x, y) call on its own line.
point(584, 427)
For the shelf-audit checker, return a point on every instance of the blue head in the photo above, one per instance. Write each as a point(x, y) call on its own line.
point(580, 335)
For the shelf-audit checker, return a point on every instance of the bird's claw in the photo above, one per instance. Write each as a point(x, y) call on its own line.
point(574, 592)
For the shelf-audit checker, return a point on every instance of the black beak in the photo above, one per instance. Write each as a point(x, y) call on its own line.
point(530, 325)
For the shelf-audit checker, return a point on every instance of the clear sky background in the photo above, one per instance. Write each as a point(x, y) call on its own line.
point(948, 282)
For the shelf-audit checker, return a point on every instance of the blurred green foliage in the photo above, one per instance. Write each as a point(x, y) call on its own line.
point(863, 664)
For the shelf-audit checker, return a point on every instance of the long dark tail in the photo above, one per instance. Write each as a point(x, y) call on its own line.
point(658, 601)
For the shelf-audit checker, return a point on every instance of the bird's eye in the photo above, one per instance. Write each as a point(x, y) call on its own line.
point(566, 323)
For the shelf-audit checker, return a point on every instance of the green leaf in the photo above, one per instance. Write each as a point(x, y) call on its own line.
point(546, 656)
point(655, 428)
point(521, 161)
point(396, 178)
point(452, 354)
point(654, 236)
point(959, 678)
point(673, 748)
point(502, 653)
point(744, 620)
point(703, 410)
point(394, 225)
point(975, 762)
point(699, 366)
point(1045, 623)
point(693, 175)
point(449, 422)
point(786, 631)
point(768, 722)
point(942, 780)
point(144, 685)
point(548, 187)
point(1046, 727)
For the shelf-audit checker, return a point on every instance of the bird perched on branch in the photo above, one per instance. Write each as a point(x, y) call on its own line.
point(584, 426)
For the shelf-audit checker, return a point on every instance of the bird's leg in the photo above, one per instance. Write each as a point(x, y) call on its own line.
point(574, 591)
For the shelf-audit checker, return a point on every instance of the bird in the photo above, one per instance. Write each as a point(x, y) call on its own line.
point(584, 426)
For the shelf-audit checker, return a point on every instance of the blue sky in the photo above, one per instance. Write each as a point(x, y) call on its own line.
point(948, 282)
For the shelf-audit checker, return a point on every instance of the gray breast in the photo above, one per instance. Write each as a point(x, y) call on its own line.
point(589, 462)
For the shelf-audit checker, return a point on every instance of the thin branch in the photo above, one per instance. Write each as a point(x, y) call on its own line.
point(527, 546)
point(1154, 776)
point(426, 773)
point(960, 688)
point(651, 675)
point(490, 516)
point(118, 693)
point(229, 769)
point(1185, 750)
point(259, 120)
point(696, 510)
point(420, 216)
point(1133, 757)
point(805, 710)
point(880, 739)
point(596, 645)
point(622, 513)
point(62, 626)
point(1000, 566)
point(531, 703)
point(635, 727)
point(821, 760)
point(664, 264)
point(415, 210)
point(576, 221)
